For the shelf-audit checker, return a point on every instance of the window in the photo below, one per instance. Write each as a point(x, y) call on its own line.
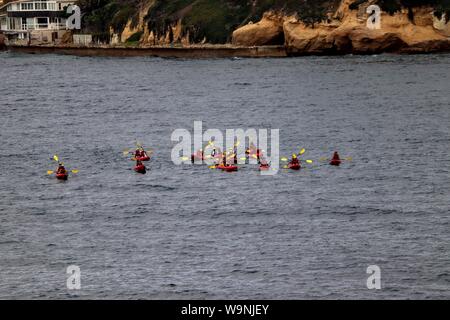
point(42, 23)
point(26, 6)
point(41, 5)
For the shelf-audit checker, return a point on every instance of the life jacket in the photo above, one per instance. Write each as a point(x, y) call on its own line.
point(336, 157)
point(335, 161)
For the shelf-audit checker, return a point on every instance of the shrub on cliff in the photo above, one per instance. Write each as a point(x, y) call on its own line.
point(211, 19)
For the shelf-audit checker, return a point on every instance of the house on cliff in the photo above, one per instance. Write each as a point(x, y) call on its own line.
point(41, 21)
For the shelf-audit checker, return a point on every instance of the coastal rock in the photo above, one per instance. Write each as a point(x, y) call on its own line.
point(268, 31)
point(139, 26)
point(398, 33)
point(346, 31)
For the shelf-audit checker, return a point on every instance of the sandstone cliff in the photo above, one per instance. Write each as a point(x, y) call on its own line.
point(303, 27)
point(268, 31)
point(414, 30)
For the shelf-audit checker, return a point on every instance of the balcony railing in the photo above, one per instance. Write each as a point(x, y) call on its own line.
point(44, 26)
point(33, 6)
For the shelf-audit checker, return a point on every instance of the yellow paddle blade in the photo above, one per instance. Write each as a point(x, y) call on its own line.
point(185, 158)
point(323, 159)
point(284, 159)
point(50, 172)
point(75, 171)
point(237, 144)
point(309, 161)
point(302, 151)
point(212, 167)
point(55, 157)
point(349, 159)
point(243, 158)
point(294, 156)
point(255, 156)
point(285, 167)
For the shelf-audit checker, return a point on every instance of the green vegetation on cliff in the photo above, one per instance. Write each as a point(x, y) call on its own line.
point(101, 15)
point(214, 20)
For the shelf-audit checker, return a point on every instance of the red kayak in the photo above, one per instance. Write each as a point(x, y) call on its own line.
point(227, 168)
point(62, 176)
point(140, 169)
point(294, 166)
point(336, 163)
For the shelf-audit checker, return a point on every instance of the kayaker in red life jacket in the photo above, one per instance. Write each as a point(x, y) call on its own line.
point(294, 160)
point(61, 169)
point(138, 153)
point(336, 160)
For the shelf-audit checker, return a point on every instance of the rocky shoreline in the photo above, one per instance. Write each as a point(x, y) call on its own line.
point(192, 52)
point(407, 31)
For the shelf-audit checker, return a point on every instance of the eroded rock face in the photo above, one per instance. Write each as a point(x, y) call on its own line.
point(347, 32)
point(268, 31)
point(351, 35)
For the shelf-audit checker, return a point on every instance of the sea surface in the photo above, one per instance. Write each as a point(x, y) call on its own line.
point(188, 232)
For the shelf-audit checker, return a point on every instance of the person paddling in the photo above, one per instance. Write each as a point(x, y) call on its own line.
point(336, 160)
point(61, 169)
point(294, 164)
point(138, 153)
point(294, 160)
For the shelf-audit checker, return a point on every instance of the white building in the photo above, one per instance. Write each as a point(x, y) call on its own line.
point(40, 20)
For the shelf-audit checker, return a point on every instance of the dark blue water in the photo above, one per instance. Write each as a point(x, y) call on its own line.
point(192, 232)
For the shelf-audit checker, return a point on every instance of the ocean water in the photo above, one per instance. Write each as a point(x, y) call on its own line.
point(185, 232)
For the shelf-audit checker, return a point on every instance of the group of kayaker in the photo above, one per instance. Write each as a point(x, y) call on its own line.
point(222, 160)
point(228, 161)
